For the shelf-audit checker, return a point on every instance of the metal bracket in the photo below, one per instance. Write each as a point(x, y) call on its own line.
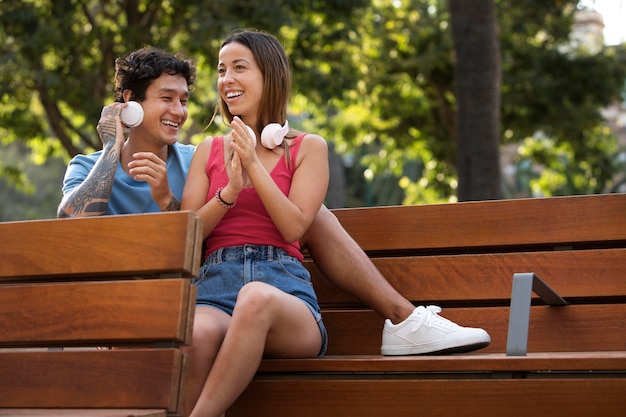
point(524, 284)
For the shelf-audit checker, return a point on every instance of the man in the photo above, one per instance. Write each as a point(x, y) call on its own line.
point(146, 172)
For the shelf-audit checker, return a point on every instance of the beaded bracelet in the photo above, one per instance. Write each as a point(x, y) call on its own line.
point(218, 197)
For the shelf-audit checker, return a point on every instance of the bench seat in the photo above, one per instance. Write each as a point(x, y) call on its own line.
point(338, 366)
point(72, 412)
point(465, 257)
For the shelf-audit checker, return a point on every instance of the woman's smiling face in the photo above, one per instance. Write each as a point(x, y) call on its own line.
point(240, 81)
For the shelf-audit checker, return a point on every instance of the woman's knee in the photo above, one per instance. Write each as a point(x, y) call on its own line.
point(209, 327)
point(256, 299)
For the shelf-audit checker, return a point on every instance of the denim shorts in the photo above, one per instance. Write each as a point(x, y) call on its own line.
point(226, 270)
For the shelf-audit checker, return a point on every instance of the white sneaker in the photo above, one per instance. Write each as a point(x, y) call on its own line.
point(424, 331)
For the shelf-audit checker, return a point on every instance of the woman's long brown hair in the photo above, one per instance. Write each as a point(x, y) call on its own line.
point(274, 65)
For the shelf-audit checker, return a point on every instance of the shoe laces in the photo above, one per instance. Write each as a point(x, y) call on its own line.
point(433, 318)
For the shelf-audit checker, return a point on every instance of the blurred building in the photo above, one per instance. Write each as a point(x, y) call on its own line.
point(588, 32)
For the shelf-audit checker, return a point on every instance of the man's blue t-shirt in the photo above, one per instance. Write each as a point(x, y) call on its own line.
point(130, 196)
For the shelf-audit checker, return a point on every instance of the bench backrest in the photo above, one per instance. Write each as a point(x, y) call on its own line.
point(125, 246)
point(463, 257)
point(95, 310)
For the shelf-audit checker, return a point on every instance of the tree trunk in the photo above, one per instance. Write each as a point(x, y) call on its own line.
point(477, 89)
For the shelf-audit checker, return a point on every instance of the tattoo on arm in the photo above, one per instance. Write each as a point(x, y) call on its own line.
point(174, 205)
point(92, 197)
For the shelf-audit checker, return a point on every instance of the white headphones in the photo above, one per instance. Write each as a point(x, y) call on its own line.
point(132, 114)
point(272, 135)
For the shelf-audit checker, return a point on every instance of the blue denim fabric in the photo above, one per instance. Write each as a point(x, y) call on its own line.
point(227, 270)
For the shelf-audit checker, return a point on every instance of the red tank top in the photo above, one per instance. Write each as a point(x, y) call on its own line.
point(248, 222)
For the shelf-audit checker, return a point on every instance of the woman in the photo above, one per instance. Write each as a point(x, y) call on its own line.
point(254, 298)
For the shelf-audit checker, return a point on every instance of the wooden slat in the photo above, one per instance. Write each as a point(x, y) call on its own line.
point(100, 313)
point(84, 412)
point(441, 398)
point(585, 219)
point(191, 313)
point(119, 378)
point(574, 328)
point(140, 244)
point(198, 253)
point(553, 362)
point(480, 278)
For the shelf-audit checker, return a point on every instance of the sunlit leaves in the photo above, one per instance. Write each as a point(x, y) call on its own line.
point(374, 77)
point(554, 167)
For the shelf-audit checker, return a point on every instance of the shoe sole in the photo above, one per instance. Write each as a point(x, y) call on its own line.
point(420, 350)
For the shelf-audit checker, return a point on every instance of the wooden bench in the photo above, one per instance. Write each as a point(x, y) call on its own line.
point(94, 312)
point(463, 257)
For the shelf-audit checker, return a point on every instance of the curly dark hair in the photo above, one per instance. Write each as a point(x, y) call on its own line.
point(137, 70)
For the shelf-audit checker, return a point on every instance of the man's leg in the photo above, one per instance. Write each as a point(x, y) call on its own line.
point(344, 263)
point(407, 330)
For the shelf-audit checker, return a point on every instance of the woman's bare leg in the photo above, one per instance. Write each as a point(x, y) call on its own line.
point(209, 328)
point(265, 319)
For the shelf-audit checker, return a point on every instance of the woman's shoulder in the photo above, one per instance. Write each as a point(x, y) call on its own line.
point(306, 137)
point(309, 144)
point(203, 149)
point(207, 143)
point(312, 140)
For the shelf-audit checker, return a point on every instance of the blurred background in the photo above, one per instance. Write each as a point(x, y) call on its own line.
point(421, 101)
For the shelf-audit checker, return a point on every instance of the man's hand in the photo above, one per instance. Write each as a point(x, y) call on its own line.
point(110, 128)
point(148, 167)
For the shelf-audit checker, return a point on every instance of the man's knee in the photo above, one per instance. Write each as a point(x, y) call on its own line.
point(323, 224)
point(326, 232)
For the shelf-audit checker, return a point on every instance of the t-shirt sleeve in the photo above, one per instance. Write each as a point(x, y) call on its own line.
point(77, 171)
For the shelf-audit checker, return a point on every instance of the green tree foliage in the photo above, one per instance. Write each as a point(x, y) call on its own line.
point(392, 107)
point(375, 77)
point(39, 188)
point(552, 97)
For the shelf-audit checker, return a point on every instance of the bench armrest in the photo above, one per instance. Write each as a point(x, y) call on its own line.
point(524, 284)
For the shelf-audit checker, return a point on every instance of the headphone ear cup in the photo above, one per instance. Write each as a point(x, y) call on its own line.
point(132, 114)
point(273, 134)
